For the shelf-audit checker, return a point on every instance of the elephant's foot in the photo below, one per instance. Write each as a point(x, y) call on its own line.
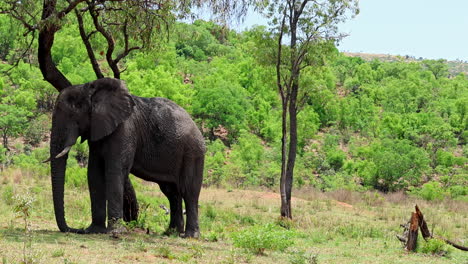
point(191, 234)
point(95, 229)
point(116, 227)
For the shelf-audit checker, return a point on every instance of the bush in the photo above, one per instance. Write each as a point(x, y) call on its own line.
point(214, 162)
point(81, 153)
point(219, 102)
point(37, 129)
point(76, 177)
point(430, 191)
point(336, 158)
point(458, 191)
point(447, 159)
point(247, 157)
point(257, 239)
point(396, 165)
point(3, 155)
point(434, 246)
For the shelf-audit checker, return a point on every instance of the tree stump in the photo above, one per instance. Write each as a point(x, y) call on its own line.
point(410, 234)
point(412, 240)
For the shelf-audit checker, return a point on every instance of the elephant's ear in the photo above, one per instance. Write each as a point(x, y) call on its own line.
point(111, 104)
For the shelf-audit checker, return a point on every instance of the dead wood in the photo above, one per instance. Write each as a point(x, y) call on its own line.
point(423, 225)
point(413, 233)
point(453, 244)
point(410, 232)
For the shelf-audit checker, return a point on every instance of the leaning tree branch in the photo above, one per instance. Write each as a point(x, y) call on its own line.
point(89, 49)
point(110, 40)
point(126, 50)
point(45, 42)
point(71, 6)
point(453, 244)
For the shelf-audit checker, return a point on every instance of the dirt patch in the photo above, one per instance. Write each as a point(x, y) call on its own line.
point(344, 204)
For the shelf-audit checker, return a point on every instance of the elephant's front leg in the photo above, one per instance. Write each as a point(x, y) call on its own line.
point(97, 191)
point(115, 180)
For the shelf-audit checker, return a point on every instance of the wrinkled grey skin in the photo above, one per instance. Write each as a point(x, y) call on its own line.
point(152, 138)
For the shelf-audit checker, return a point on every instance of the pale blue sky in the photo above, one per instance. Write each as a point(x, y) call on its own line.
point(430, 29)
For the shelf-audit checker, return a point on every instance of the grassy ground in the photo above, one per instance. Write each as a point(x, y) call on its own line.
point(340, 227)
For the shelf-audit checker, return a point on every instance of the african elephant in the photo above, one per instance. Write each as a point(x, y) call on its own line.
point(152, 138)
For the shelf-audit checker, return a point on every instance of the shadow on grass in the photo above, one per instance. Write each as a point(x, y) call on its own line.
point(52, 236)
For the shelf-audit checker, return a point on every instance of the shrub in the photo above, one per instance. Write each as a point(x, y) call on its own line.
point(3, 155)
point(334, 181)
point(210, 212)
point(76, 177)
point(257, 239)
point(336, 158)
point(430, 191)
point(247, 157)
point(7, 194)
point(458, 191)
point(30, 163)
point(447, 159)
point(396, 164)
point(214, 162)
point(434, 246)
point(38, 128)
point(218, 101)
point(81, 153)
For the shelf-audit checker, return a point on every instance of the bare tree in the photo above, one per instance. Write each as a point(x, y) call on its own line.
point(302, 28)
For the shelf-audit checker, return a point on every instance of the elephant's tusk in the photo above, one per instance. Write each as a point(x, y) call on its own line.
point(47, 160)
point(64, 151)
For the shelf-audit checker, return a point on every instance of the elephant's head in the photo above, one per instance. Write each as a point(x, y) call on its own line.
point(93, 111)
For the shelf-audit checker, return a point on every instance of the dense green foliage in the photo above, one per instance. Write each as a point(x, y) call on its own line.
point(366, 124)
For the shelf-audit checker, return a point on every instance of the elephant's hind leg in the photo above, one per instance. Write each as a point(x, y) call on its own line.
point(175, 201)
point(192, 181)
point(130, 203)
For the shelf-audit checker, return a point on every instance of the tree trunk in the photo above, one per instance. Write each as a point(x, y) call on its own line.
point(292, 148)
point(5, 140)
point(289, 108)
point(285, 202)
point(44, 52)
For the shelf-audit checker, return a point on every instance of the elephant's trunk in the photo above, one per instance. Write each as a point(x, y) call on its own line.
point(58, 179)
point(60, 139)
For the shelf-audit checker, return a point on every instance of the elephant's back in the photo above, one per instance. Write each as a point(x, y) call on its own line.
point(171, 122)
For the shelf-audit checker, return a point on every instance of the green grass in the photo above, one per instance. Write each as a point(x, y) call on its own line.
point(339, 227)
